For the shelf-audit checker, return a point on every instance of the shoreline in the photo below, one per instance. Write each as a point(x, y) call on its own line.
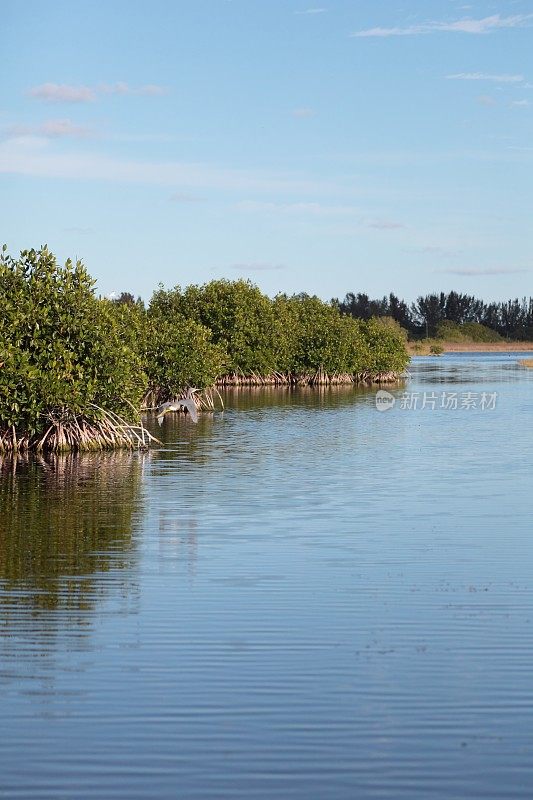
point(473, 347)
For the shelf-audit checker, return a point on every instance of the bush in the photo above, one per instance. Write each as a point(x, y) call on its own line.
point(62, 351)
point(70, 361)
point(466, 332)
point(239, 316)
point(179, 353)
point(385, 345)
point(316, 337)
point(290, 338)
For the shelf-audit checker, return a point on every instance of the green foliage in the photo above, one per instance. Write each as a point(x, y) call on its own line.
point(239, 316)
point(179, 352)
point(436, 349)
point(61, 349)
point(314, 336)
point(386, 347)
point(298, 335)
point(466, 332)
point(390, 322)
point(479, 333)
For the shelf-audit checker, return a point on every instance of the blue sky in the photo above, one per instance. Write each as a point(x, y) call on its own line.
point(309, 145)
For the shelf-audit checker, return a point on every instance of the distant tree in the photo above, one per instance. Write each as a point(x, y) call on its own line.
point(428, 311)
point(127, 299)
point(399, 311)
point(461, 308)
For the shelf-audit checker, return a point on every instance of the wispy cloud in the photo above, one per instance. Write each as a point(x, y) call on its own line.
point(258, 266)
point(467, 271)
point(124, 89)
point(185, 197)
point(385, 224)
point(354, 214)
point(483, 76)
point(520, 103)
point(63, 127)
point(311, 11)
point(466, 25)
point(64, 93)
point(52, 128)
point(486, 100)
point(300, 208)
point(36, 157)
point(434, 250)
point(303, 113)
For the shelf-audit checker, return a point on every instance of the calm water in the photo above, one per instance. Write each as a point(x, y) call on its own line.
point(298, 598)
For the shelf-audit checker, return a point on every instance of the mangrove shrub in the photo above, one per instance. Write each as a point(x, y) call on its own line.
point(179, 352)
point(64, 360)
point(240, 318)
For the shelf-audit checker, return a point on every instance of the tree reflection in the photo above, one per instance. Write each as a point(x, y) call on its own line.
point(63, 521)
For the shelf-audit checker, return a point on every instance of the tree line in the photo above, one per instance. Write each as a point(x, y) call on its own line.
point(76, 369)
point(511, 319)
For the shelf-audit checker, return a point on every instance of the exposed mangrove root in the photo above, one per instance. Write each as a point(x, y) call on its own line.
point(106, 431)
point(318, 378)
point(209, 399)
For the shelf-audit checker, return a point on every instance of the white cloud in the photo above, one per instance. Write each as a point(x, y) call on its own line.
point(303, 113)
point(120, 88)
point(468, 25)
point(52, 129)
point(434, 250)
point(185, 197)
point(311, 11)
point(63, 93)
point(483, 76)
point(520, 103)
point(34, 156)
point(63, 127)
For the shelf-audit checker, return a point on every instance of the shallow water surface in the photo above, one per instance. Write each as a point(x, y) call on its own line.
point(300, 597)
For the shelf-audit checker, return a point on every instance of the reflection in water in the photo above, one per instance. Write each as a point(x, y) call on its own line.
point(458, 368)
point(298, 597)
point(303, 396)
point(178, 539)
point(66, 523)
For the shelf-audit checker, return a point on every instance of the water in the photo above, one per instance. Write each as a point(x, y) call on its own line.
point(298, 598)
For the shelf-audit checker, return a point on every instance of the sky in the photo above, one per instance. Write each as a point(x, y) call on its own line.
point(323, 146)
